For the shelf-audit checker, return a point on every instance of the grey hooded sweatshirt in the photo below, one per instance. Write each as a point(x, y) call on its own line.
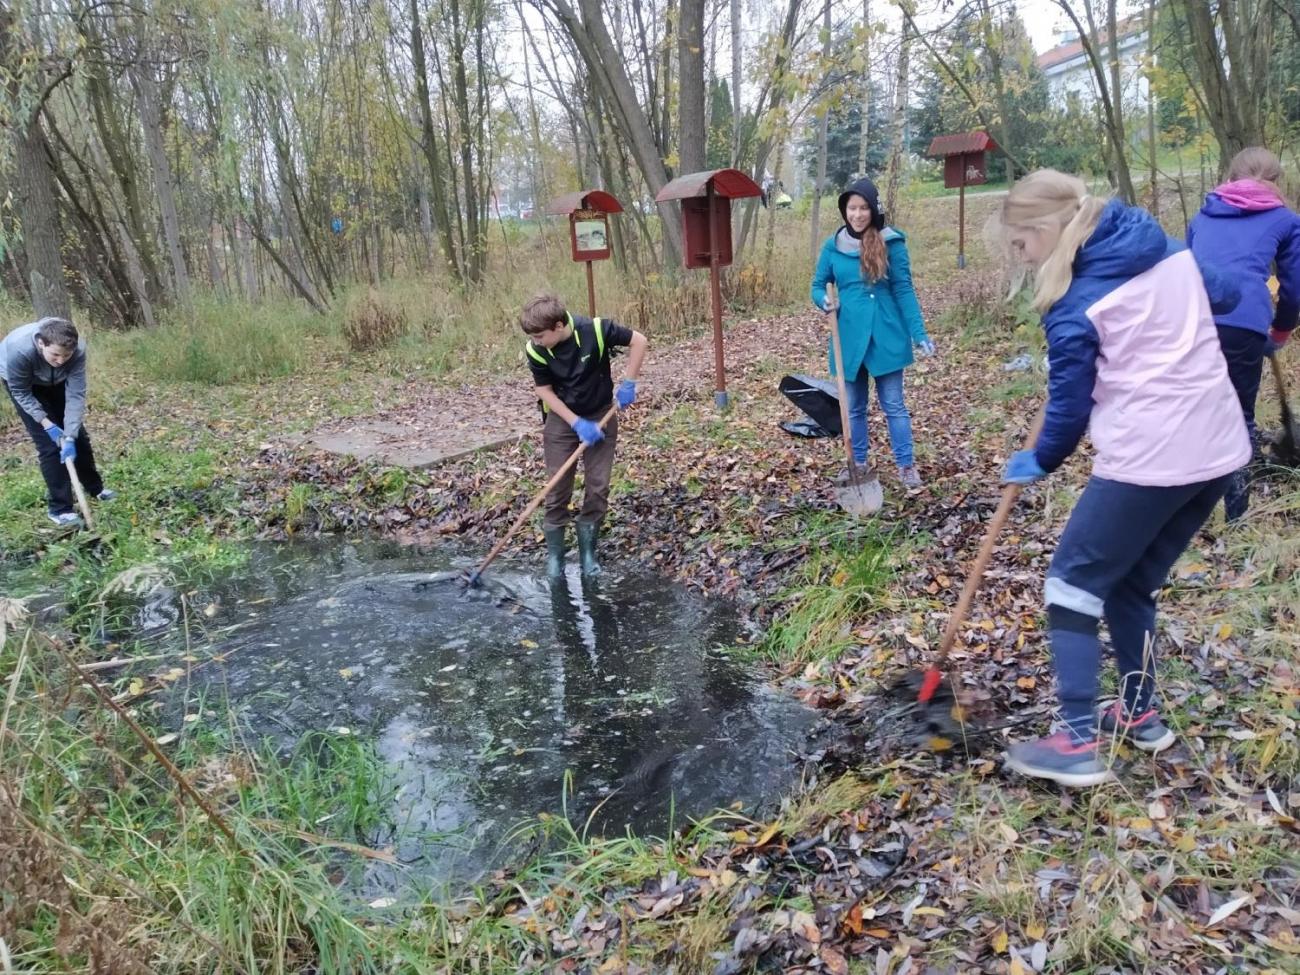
point(22, 367)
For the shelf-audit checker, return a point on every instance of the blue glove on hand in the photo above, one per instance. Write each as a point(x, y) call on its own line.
point(588, 431)
point(625, 395)
point(1023, 468)
point(926, 346)
point(68, 451)
point(55, 433)
point(826, 304)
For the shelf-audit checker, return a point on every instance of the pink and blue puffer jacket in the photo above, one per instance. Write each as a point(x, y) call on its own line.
point(1135, 356)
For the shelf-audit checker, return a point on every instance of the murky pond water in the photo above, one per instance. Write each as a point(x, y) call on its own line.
point(482, 703)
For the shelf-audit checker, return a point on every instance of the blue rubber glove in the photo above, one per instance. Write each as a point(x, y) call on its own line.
point(625, 395)
point(68, 451)
point(1023, 468)
point(588, 431)
point(926, 346)
point(55, 433)
point(827, 305)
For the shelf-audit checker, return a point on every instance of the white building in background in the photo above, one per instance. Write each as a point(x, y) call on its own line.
point(1070, 74)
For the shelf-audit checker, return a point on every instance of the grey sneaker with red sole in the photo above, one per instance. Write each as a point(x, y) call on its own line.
point(1061, 759)
point(1146, 731)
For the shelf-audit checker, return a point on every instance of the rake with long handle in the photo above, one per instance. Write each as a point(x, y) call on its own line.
point(934, 674)
point(473, 577)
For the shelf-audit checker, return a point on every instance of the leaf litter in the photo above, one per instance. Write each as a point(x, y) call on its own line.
point(894, 857)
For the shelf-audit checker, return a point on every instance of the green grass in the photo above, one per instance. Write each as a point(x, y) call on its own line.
point(227, 342)
point(840, 585)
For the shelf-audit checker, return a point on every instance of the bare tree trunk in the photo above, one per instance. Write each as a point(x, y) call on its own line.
point(136, 220)
point(671, 27)
point(133, 267)
point(994, 39)
point(735, 82)
point(1152, 144)
point(1112, 111)
point(606, 66)
point(474, 237)
point(39, 213)
point(430, 143)
point(690, 95)
point(1117, 96)
point(823, 128)
point(864, 131)
point(976, 105)
point(899, 120)
point(770, 108)
point(246, 262)
point(1234, 71)
point(37, 206)
point(536, 164)
point(146, 94)
point(770, 245)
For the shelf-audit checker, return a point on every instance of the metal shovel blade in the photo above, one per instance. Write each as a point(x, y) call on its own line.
point(866, 497)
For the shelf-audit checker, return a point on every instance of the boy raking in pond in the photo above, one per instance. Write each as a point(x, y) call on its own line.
point(569, 357)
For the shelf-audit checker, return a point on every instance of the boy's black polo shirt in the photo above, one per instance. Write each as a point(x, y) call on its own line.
point(575, 369)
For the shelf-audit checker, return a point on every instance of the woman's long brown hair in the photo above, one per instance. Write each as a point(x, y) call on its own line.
point(875, 261)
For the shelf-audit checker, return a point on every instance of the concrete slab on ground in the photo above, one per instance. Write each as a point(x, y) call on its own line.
point(413, 446)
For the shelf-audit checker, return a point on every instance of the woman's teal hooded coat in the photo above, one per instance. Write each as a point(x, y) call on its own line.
point(879, 321)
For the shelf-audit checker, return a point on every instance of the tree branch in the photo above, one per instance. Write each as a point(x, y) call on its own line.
point(974, 104)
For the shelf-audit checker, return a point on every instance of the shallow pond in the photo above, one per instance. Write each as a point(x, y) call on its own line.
point(483, 704)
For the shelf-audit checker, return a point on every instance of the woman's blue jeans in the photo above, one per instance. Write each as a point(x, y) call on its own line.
point(889, 391)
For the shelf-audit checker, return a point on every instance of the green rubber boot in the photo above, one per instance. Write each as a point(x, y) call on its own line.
point(554, 552)
point(588, 532)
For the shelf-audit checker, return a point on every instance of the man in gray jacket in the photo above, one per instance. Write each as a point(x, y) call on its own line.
point(43, 369)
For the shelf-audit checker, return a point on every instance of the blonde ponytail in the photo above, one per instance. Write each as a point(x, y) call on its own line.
point(1059, 205)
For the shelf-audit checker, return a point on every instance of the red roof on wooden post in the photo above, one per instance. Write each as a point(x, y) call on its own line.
point(583, 200)
point(731, 183)
point(961, 143)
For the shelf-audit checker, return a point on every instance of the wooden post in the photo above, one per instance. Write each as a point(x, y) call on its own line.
point(591, 291)
point(715, 285)
point(961, 224)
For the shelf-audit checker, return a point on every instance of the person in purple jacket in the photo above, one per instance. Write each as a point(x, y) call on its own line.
point(1134, 359)
point(1247, 229)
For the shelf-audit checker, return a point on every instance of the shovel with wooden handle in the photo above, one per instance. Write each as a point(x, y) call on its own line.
point(863, 495)
point(81, 494)
point(1288, 447)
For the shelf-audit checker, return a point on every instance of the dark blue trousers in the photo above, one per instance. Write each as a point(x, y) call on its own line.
point(1243, 350)
point(1113, 557)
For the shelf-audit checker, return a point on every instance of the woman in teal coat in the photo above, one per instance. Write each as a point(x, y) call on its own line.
point(879, 319)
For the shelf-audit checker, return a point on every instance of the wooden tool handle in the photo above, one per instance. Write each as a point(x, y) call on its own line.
point(842, 387)
point(81, 494)
point(537, 499)
point(1280, 383)
point(976, 573)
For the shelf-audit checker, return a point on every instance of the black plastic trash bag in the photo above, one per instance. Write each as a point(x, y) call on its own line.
point(818, 400)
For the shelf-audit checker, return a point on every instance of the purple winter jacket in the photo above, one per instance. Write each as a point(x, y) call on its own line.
point(1244, 229)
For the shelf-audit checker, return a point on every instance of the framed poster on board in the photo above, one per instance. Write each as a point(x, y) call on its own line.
point(589, 235)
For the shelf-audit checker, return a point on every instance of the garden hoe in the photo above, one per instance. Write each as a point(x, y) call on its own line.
point(1287, 448)
point(473, 578)
point(862, 495)
point(941, 711)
